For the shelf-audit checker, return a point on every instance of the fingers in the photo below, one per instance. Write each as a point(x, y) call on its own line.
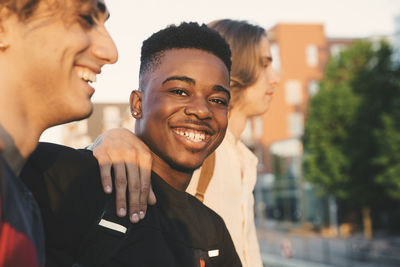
point(130, 158)
point(151, 200)
point(145, 172)
point(139, 186)
point(128, 176)
point(106, 161)
point(120, 188)
point(134, 193)
point(105, 170)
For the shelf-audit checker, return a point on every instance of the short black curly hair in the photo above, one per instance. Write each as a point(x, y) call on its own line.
point(186, 35)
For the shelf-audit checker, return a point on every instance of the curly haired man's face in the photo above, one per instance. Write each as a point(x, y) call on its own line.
point(53, 62)
point(184, 108)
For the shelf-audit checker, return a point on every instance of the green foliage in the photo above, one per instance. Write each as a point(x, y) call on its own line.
point(352, 136)
point(388, 157)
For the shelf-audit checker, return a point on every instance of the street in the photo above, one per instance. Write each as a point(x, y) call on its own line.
point(283, 248)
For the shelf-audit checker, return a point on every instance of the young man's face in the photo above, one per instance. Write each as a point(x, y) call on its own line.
point(51, 59)
point(256, 98)
point(183, 108)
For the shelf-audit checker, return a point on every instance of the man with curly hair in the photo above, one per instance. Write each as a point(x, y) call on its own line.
point(181, 111)
point(49, 52)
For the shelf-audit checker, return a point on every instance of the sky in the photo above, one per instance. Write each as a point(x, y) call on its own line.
point(132, 21)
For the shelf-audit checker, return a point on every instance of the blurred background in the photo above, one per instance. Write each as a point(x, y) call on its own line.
point(328, 189)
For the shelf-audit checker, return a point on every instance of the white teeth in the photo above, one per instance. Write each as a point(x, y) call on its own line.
point(86, 75)
point(194, 137)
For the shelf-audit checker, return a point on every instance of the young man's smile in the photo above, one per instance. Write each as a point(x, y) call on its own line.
point(86, 74)
point(195, 137)
point(192, 135)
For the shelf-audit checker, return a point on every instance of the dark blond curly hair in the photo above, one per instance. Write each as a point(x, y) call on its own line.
point(24, 9)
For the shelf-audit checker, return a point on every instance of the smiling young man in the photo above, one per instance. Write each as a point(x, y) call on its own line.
point(49, 50)
point(181, 111)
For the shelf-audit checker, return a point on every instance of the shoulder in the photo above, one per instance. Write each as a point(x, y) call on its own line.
point(60, 162)
point(61, 172)
point(48, 155)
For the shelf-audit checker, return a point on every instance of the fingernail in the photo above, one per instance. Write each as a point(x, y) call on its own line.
point(141, 215)
point(122, 212)
point(108, 189)
point(135, 218)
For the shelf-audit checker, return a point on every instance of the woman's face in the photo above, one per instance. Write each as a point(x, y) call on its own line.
point(255, 99)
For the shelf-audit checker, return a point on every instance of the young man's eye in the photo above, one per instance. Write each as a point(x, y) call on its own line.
point(87, 20)
point(265, 64)
point(219, 101)
point(180, 92)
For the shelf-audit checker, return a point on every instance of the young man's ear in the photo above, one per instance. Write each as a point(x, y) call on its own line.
point(135, 102)
point(3, 36)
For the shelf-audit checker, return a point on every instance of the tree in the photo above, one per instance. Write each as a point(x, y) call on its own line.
point(352, 136)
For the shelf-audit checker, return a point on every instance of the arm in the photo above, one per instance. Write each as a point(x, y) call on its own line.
point(131, 161)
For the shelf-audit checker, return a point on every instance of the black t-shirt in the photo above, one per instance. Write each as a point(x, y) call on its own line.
point(81, 226)
point(178, 231)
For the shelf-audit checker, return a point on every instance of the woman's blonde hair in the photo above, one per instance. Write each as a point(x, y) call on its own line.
point(244, 40)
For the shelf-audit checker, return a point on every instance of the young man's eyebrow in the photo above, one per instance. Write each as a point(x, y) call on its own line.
point(180, 78)
point(220, 88)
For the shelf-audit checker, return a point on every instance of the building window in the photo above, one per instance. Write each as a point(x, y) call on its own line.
point(276, 60)
point(293, 92)
point(287, 148)
point(296, 124)
point(312, 55)
point(313, 87)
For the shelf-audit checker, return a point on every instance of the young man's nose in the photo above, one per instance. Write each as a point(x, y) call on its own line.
point(199, 107)
point(274, 78)
point(104, 47)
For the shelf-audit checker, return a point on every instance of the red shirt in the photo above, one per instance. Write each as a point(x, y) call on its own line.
point(21, 230)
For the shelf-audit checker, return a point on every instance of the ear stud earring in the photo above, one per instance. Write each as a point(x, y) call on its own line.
point(134, 113)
